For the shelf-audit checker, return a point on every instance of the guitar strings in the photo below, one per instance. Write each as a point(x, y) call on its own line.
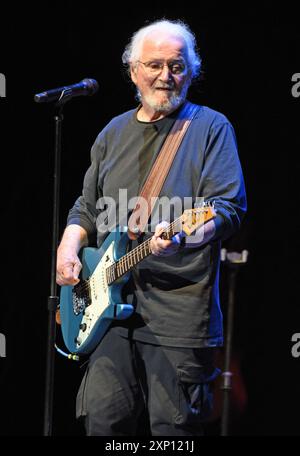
point(84, 285)
point(125, 263)
point(132, 256)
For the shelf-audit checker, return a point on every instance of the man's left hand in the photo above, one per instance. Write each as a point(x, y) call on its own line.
point(161, 247)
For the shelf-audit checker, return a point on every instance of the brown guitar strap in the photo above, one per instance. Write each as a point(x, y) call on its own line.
point(158, 174)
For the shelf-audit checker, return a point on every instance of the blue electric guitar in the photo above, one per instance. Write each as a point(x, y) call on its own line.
point(88, 308)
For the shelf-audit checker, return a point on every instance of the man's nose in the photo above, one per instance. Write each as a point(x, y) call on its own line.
point(165, 73)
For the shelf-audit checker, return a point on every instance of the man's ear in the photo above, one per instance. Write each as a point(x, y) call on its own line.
point(190, 77)
point(133, 73)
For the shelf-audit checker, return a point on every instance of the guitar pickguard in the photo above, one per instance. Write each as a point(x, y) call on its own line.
point(98, 296)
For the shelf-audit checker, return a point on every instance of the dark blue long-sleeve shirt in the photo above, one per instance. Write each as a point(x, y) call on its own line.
point(176, 297)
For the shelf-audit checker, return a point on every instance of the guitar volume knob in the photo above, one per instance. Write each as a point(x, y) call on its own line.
point(78, 340)
point(82, 326)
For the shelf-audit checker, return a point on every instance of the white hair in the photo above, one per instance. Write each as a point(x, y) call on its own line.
point(177, 28)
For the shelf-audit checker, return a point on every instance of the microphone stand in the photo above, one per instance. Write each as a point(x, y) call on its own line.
point(233, 260)
point(53, 299)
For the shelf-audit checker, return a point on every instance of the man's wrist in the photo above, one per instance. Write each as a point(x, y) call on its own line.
point(179, 240)
point(182, 243)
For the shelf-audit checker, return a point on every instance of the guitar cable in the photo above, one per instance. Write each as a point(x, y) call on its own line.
point(70, 356)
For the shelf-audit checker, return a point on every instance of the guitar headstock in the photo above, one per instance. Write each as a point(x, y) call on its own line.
point(192, 219)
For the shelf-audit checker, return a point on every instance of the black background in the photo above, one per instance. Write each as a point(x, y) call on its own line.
point(249, 56)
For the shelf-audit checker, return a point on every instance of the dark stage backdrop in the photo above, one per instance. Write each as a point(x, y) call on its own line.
point(249, 58)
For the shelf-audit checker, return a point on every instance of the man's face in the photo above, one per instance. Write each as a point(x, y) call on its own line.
point(164, 88)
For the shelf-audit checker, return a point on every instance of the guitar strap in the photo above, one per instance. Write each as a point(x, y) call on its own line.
point(160, 169)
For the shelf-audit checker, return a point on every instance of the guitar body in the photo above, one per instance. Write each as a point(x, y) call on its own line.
point(88, 308)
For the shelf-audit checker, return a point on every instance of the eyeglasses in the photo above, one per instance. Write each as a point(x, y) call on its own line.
point(155, 67)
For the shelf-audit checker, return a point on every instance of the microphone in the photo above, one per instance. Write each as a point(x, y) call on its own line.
point(85, 87)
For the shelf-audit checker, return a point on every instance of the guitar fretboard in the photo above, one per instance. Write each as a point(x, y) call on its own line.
point(198, 216)
point(132, 258)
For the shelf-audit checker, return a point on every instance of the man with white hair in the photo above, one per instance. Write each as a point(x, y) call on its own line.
point(159, 361)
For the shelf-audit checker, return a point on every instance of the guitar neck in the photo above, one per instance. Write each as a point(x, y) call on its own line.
point(139, 253)
point(187, 223)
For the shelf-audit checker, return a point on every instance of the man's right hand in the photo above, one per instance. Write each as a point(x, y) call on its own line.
point(68, 267)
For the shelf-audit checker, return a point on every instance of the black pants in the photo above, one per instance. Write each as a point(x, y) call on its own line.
point(125, 378)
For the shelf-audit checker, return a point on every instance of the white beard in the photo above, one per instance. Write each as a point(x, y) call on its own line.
point(169, 105)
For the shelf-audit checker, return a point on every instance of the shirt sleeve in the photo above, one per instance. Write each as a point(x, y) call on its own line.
point(222, 179)
point(85, 212)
